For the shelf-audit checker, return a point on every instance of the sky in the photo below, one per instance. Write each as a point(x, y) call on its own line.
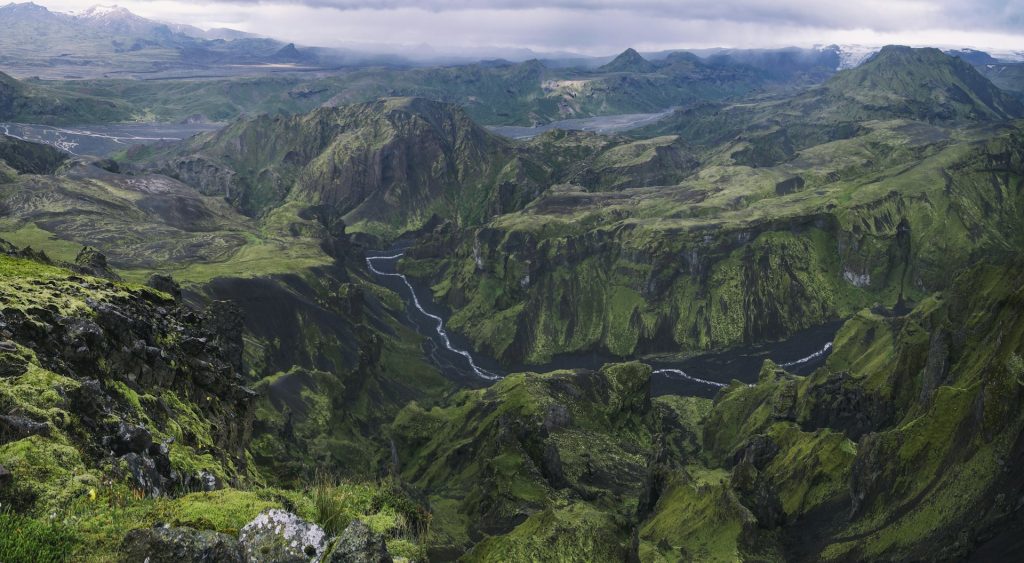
point(599, 27)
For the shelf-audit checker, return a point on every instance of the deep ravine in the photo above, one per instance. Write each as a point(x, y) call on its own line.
point(701, 375)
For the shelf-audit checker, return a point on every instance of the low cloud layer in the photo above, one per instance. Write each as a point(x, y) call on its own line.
point(602, 26)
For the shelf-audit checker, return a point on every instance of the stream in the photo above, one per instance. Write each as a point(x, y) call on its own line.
point(701, 375)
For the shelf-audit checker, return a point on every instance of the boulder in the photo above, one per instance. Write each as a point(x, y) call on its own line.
point(279, 536)
point(164, 544)
point(5, 476)
point(129, 438)
point(359, 544)
point(13, 427)
point(165, 284)
point(94, 263)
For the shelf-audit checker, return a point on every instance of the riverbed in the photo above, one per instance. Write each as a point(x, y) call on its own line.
point(600, 124)
point(103, 140)
point(700, 375)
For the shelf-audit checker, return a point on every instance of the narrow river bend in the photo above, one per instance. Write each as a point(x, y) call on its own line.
point(701, 375)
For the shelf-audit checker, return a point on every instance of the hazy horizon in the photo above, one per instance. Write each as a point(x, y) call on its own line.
point(595, 27)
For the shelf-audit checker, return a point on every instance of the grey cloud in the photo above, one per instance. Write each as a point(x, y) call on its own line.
point(884, 15)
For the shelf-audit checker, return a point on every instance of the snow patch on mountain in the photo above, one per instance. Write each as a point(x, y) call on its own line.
point(852, 56)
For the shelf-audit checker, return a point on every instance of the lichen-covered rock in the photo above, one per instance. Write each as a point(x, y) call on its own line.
point(165, 284)
point(12, 363)
point(164, 544)
point(277, 536)
point(359, 544)
point(15, 427)
point(93, 262)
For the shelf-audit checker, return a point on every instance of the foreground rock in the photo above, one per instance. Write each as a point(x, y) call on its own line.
point(359, 544)
point(164, 544)
point(281, 537)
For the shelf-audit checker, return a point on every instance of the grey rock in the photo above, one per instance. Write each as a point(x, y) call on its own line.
point(279, 536)
point(11, 362)
point(129, 438)
point(359, 544)
point(94, 263)
point(17, 427)
point(165, 284)
point(163, 544)
point(557, 416)
point(145, 475)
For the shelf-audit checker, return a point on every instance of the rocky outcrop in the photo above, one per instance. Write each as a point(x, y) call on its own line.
point(92, 262)
point(166, 544)
point(276, 536)
point(165, 284)
point(358, 544)
point(110, 344)
point(839, 403)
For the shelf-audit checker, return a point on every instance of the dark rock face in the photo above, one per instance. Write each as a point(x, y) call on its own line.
point(163, 544)
point(165, 284)
point(757, 494)
point(129, 438)
point(276, 536)
point(126, 341)
point(11, 362)
point(14, 427)
point(358, 544)
point(758, 451)
point(937, 368)
point(93, 262)
point(785, 187)
point(840, 404)
point(866, 476)
point(225, 321)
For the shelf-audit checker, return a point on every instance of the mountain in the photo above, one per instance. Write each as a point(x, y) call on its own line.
point(109, 40)
point(385, 165)
point(628, 61)
point(394, 165)
point(897, 83)
point(786, 323)
point(290, 54)
point(39, 104)
point(924, 83)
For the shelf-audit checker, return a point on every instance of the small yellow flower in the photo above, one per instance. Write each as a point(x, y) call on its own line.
point(92, 494)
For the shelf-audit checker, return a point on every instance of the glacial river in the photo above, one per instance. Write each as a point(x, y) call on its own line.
point(103, 140)
point(702, 375)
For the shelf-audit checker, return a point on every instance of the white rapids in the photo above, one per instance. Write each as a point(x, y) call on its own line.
point(814, 356)
point(480, 372)
point(686, 376)
point(484, 374)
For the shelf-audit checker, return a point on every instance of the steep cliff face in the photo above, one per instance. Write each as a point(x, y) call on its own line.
point(385, 166)
point(542, 466)
point(902, 446)
point(577, 272)
point(103, 380)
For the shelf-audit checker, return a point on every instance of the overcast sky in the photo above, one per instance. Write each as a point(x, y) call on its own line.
point(601, 27)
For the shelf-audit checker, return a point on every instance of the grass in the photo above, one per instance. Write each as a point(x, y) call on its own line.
point(25, 540)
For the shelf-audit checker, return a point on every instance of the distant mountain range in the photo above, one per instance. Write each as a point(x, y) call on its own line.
point(109, 41)
point(112, 42)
